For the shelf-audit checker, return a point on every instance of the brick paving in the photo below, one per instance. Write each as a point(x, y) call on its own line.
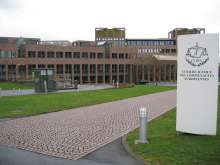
point(74, 133)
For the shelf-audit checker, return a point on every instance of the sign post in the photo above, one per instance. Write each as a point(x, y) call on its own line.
point(197, 83)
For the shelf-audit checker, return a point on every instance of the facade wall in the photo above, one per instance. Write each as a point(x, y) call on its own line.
point(89, 62)
point(87, 65)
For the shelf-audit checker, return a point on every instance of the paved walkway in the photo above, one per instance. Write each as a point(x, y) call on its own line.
point(111, 154)
point(32, 91)
point(75, 133)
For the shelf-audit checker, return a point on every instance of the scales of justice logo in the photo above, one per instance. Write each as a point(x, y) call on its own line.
point(196, 55)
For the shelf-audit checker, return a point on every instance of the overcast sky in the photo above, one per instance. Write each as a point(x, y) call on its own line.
point(77, 19)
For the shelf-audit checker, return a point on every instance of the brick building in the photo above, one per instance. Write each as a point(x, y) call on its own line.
point(111, 57)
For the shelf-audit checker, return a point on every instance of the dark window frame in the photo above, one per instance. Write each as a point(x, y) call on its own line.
point(59, 54)
point(41, 54)
point(68, 54)
point(76, 54)
point(50, 54)
point(31, 54)
point(100, 55)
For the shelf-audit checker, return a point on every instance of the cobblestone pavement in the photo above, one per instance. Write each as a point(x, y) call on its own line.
point(74, 133)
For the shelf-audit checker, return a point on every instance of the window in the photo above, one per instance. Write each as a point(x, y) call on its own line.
point(92, 68)
point(21, 52)
point(84, 68)
point(84, 54)
point(50, 54)
point(126, 55)
point(31, 54)
point(121, 68)
point(50, 66)
point(163, 51)
point(114, 55)
point(167, 50)
point(7, 53)
point(68, 54)
point(100, 68)
point(41, 54)
point(121, 55)
point(76, 54)
point(41, 66)
point(68, 68)
point(173, 50)
point(59, 54)
point(126, 68)
point(114, 68)
point(76, 68)
point(92, 55)
point(59, 69)
point(13, 53)
point(100, 55)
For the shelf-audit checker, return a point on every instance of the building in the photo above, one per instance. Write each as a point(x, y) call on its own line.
point(111, 57)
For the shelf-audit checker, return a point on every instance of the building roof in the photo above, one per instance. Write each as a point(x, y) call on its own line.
point(147, 39)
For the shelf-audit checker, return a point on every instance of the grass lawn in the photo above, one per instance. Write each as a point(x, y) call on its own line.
point(17, 106)
point(168, 148)
point(12, 85)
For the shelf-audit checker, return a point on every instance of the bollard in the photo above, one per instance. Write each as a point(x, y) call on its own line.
point(75, 84)
point(13, 91)
point(117, 84)
point(143, 126)
point(113, 83)
point(19, 91)
point(0, 92)
point(45, 86)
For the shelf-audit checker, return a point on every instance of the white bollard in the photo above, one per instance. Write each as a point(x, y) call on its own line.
point(45, 86)
point(117, 84)
point(19, 91)
point(0, 92)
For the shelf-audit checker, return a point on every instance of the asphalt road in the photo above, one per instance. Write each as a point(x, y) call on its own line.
point(111, 154)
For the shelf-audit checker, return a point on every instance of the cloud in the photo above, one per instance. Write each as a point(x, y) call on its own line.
point(8, 4)
point(73, 20)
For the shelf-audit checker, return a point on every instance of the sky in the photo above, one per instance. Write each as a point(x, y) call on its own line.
point(76, 19)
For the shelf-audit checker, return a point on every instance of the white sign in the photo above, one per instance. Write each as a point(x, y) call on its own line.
point(197, 83)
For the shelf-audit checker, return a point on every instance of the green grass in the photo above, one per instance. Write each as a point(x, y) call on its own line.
point(12, 85)
point(17, 106)
point(167, 148)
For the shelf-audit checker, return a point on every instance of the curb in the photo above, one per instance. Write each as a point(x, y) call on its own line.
point(130, 152)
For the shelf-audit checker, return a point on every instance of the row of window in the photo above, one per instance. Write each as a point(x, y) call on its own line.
point(68, 67)
point(7, 53)
point(156, 50)
point(120, 55)
point(109, 39)
point(150, 42)
point(91, 55)
point(51, 54)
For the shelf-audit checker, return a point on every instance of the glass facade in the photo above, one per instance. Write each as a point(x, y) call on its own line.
point(7, 53)
point(150, 42)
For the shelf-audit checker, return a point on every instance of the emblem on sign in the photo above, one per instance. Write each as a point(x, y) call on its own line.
point(196, 55)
